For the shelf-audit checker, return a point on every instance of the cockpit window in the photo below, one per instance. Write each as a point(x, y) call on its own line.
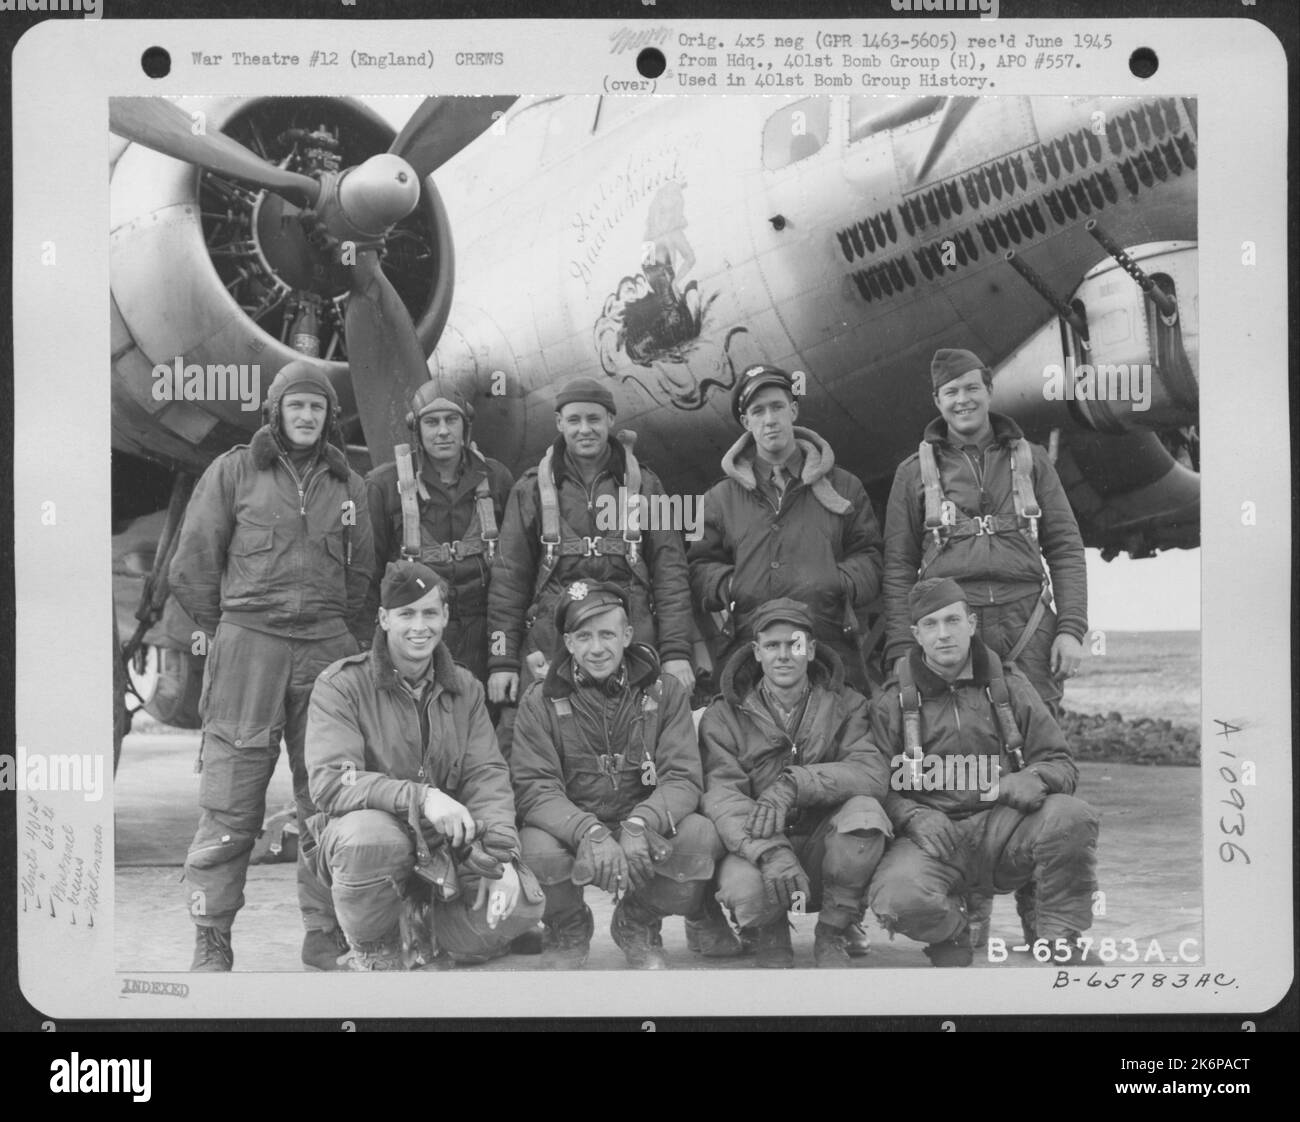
point(795, 132)
point(870, 115)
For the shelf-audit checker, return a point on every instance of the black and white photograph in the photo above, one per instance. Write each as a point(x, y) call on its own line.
point(314, 299)
point(740, 519)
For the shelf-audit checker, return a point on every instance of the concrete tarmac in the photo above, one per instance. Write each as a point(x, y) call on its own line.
point(1148, 867)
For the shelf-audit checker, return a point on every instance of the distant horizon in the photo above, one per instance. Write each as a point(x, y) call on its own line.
point(1161, 593)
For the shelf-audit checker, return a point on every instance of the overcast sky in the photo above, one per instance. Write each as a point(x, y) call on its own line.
point(1161, 593)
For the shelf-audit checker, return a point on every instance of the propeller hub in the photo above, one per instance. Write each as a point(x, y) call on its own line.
point(378, 193)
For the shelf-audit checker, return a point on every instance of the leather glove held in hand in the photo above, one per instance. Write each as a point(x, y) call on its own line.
point(783, 877)
point(772, 808)
point(499, 841)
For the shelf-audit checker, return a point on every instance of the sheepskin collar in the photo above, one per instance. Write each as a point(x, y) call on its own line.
point(818, 460)
point(267, 452)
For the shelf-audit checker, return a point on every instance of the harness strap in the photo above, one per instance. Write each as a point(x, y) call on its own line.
point(1031, 625)
point(1013, 741)
point(1022, 486)
point(406, 489)
point(1000, 697)
point(910, 699)
point(632, 485)
point(559, 540)
point(945, 523)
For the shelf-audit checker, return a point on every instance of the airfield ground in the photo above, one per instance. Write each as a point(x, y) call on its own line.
point(1148, 864)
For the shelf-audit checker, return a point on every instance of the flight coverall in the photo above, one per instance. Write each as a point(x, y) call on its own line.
point(1000, 848)
point(374, 746)
point(446, 517)
point(1001, 573)
point(275, 568)
point(838, 829)
point(627, 750)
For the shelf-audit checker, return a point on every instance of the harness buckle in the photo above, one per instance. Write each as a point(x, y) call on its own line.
point(986, 525)
point(454, 549)
point(490, 548)
point(551, 549)
point(593, 545)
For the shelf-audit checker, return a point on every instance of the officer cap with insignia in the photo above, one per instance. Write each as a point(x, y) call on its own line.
point(405, 582)
point(584, 599)
point(754, 378)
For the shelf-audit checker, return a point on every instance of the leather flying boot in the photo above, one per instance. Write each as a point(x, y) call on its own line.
point(384, 953)
point(708, 933)
point(979, 913)
point(633, 929)
point(956, 951)
point(321, 950)
point(830, 947)
point(772, 944)
point(567, 940)
point(1027, 909)
point(856, 941)
point(213, 953)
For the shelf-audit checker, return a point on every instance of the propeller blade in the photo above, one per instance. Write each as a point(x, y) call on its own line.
point(953, 116)
point(158, 124)
point(442, 126)
point(385, 358)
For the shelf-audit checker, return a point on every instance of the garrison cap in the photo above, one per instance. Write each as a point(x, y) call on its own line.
point(435, 395)
point(584, 599)
point(949, 363)
point(584, 389)
point(405, 582)
point(930, 595)
point(783, 610)
point(754, 378)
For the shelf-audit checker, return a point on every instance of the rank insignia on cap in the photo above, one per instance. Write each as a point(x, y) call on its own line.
point(578, 590)
point(420, 583)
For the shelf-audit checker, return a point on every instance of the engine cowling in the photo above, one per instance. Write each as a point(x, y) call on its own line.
point(206, 271)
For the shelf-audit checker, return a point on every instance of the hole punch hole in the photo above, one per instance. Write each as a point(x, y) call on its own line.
point(650, 63)
point(156, 62)
point(1143, 62)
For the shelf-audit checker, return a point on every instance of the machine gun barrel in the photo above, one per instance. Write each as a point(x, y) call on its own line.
point(1167, 304)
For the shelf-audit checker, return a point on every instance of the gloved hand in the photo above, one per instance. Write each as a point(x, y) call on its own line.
point(1022, 790)
point(783, 876)
point(636, 848)
point(934, 832)
point(600, 861)
point(448, 817)
point(499, 841)
point(772, 808)
point(476, 859)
